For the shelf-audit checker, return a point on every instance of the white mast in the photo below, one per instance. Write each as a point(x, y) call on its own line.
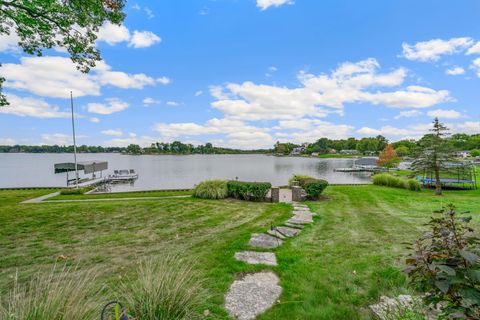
point(74, 141)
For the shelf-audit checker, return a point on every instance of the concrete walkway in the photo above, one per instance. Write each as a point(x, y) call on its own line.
point(255, 293)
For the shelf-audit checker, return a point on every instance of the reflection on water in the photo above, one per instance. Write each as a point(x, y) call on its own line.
point(175, 172)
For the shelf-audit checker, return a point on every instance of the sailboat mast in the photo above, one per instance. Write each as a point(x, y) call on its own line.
point(74, 141)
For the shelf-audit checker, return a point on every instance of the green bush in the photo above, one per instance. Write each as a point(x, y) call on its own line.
point(314, 188)
point(78, 191)
point(388, 180)
point(475, 153)
point(300, 178)
point(251, 191)
point(211, 189)
point(414, 185)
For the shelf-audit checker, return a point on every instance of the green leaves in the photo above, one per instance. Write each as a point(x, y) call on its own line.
point(445, 264)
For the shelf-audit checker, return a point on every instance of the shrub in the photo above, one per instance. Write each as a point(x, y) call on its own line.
point(211, 189)
point(75, 191)
point(300, 178)
point(59, 295)
point(414, 185)
point(163, 289)
point(475, 153)
point(314, 188)
point(387, 180)
point(251, 191)
point(445, 265)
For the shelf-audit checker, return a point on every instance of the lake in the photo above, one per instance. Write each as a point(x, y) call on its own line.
point(174, 172)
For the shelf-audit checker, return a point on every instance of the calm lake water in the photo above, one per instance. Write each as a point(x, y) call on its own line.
point(174, 172)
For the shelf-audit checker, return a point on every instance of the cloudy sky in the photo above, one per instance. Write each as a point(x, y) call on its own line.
point(247, 73)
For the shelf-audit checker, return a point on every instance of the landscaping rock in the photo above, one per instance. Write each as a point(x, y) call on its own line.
point(288, 232)
point(388, 306)
point(266, 241)
point(251, 296)
point(294, 225)
point(253, 257)
point(301, 218)
point(275, 233)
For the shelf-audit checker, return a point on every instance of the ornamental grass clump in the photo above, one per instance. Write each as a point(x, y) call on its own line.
point(62, 294)
point(211, 189)
point(445, 264)
point(165, 288)
point(387, 180)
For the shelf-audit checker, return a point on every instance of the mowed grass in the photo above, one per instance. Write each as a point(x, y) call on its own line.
point(333, 270)
point(139, 194)
point(113, 237)
point(355, 252)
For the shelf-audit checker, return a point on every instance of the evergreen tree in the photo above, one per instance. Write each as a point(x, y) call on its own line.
point(434, 152)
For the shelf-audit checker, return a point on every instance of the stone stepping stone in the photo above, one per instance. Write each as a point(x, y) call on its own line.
point(298, 221)
point(253, 295)
point(265, 241)
point(288, 232)
point(294, 225)
point(275, 233)
point(308, 217)
point(253, 257)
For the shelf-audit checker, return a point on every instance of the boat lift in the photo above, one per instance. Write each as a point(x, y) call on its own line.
point(95, 168)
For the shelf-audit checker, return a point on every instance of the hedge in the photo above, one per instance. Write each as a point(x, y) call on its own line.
point(251, 191)
point(314, 188)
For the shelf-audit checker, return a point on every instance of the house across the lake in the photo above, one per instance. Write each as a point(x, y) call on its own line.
point(462, 154)
point(298, 150)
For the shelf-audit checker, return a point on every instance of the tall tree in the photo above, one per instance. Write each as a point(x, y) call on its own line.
point(69, 24)
point(434, 152)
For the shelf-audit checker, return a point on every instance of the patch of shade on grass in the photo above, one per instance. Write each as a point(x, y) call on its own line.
point(139, 194)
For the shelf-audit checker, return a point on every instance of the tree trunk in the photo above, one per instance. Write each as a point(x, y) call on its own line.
point(438, 183)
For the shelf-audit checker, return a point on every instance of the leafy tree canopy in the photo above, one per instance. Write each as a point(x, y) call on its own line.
point(69, 24)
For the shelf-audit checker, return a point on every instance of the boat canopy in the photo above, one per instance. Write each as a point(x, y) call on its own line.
point(85, 166)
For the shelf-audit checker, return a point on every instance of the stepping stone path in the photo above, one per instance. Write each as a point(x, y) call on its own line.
point(264, 241)
point(253, 257)
point(252, 295)
point(255, 293)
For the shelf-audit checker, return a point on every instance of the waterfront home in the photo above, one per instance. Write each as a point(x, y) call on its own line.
point(298, 150)
point(462, 154)
point(348, 152)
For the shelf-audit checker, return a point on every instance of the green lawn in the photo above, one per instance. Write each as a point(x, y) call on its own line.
point(139, 194)
point(333, 270)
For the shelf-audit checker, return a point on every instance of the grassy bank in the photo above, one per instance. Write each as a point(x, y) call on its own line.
point(333, 270)
point(140, 194)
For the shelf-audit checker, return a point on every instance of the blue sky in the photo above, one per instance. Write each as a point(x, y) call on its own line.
point(247, 73)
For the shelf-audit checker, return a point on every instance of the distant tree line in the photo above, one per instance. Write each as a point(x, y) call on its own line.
point(375, 145)
point(175, 147)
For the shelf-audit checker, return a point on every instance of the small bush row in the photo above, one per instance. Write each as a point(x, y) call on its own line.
point(211, 189)
point(250, 191)
point(312, 186)
point(388, 180)
point(74, 191)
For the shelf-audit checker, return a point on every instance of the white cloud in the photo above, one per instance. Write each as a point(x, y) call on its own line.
point(56, 76)
point(265, 4)
point(112, 132)
point(307, 130)
point(9, 42)
point(444, 114)
point(198, 93)
point(7, 142)
point(143, 141)
point(432, 50)
point(172, 103)
point(56, 139)
point(320, 95)
point(113, 105)
point(455, 71)
point(149, 13)
point(475, 49)
point(32, 107)
point(409, 114)
point(476, 66)
point(164, 80)
point(143, 39)
point(94, 120)
point(150, 101)
point(113, 33)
